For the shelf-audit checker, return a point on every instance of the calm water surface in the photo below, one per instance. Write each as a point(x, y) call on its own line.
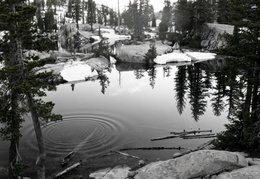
point(123, 109)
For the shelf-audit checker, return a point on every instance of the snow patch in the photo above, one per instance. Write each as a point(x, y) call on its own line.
point(172, 57)
point(77, 71)
point(183, 57)
point(201, 55)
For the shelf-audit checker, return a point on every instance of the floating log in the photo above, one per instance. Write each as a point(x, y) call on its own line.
point(153, 148)
point(190, 132)
point(198, 136)
point(70, 155)
point(185, 135)
point(67, 169)
point(201, 147)
point(163, 138)
point(125, 154)
point(67, 158)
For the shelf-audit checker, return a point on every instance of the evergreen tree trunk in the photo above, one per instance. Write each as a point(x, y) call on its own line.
point(40, 163)
point(14, 156)
point(15, 59)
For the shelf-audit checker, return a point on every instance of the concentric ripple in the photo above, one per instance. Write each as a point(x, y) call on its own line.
point(90, 134)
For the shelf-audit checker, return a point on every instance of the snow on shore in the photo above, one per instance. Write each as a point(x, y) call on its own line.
point(77, 71)
point(184, 57)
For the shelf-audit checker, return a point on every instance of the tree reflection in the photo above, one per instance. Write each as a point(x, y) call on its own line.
point(152, 75)
point(103, 80)
point(242, 78)
point(197, 91)
point(139, 73)
point(167, 71)
point(181, 88)
point(217, 99)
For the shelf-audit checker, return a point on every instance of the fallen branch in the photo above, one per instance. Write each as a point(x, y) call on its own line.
point(201, 147)
point(125, 154)
point(67, 169)
point(153, 148)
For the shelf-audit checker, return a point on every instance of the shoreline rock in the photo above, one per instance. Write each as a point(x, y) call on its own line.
point(213, 36)
point(200, 164)
point(196, 164)
point(136, 53)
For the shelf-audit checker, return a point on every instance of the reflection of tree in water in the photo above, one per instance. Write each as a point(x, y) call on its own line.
point(234, 87)
point(242, 80)
point(103, 80)
point(139, 73)
point(217, 98)
point(208, 79)
point(167, 71)
point(152, 75)
point(181, 87)
point(198, 91)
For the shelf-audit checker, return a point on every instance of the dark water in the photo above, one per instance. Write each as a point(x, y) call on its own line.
point(126, 108)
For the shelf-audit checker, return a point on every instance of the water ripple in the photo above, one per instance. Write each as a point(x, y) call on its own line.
point(90, 134)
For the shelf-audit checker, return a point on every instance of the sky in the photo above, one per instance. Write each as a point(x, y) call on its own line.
point(157, 4)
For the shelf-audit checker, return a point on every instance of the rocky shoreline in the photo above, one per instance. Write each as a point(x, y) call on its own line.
point(202, 164)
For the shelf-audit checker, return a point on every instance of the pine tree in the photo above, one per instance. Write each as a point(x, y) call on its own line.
point(91, 15)
point(166, 19)
point(223, 12)
point(77, 12)
point(153, 21)
point(245, 40)
point(21, 89)
point(182, 14)
point(49, 21)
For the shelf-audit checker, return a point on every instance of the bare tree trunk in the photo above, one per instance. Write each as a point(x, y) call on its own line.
point(40, 163)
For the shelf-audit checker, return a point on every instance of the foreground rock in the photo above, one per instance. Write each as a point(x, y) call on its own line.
point(196, 164)
point(247, 172)
point(118, 172)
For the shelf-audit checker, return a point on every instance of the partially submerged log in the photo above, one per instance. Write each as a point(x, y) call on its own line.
point(198, 136)
point(201, 147)
point(187, 135)
point(70, 155)
point(67, 158)
point(125, 154)
point(190, 132)
point(153, 148)
point(166, 137)
point(67, 169)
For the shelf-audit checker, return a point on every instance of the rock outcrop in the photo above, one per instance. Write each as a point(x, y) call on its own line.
point(199, 164)
point(243, 173)
point(117, 172)
point(213, 36)
point(136, 53)
point(196, 164)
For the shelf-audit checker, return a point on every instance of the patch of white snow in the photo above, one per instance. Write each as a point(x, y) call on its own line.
point(172, 57)
point(77, 71)
point(201, 55)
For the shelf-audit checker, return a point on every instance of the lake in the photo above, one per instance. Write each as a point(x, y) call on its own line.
point(125, 108)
